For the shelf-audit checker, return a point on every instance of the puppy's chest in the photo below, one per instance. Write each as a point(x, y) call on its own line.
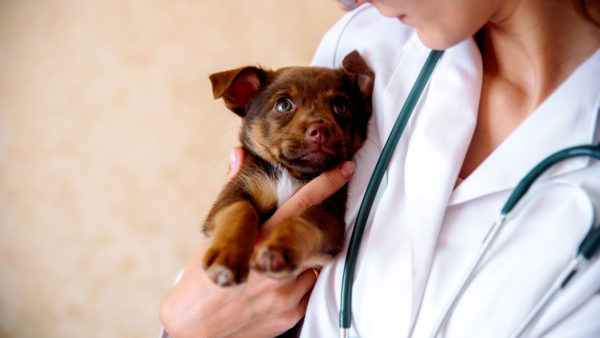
point(286, 187)
point(271, 191)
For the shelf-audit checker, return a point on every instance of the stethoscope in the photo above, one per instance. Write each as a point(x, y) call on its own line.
point(587, 248)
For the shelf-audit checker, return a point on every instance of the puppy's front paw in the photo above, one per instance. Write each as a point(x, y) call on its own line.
point(225, 267)
point(276, 261)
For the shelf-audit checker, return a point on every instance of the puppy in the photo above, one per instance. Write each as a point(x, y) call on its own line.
point(297, 123)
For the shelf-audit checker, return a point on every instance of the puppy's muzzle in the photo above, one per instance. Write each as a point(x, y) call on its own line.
point(319, 134)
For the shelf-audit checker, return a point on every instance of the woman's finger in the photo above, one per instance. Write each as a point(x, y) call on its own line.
point(306, 280)
point(236, 159)
point(314, 192)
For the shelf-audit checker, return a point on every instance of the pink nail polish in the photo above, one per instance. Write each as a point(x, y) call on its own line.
point(347, 169)
point(233, 159)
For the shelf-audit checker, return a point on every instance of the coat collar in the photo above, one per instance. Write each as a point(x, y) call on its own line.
point(560, 121)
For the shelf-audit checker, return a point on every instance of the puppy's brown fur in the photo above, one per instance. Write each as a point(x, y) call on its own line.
point(297, 123)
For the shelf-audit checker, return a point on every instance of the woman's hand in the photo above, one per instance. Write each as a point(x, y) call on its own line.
point(261, 306)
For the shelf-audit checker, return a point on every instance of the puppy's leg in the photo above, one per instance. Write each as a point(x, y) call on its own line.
point(310, 239)
point(235, 228)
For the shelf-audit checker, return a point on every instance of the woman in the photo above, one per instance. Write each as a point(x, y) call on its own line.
point(525, 86)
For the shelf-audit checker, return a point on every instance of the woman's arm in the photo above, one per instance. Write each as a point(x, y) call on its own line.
point(261, 306)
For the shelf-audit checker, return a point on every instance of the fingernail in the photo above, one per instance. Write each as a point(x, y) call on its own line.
point(347, 169)
point(233, 159)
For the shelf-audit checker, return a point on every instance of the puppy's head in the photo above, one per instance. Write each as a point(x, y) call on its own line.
point(302, 119)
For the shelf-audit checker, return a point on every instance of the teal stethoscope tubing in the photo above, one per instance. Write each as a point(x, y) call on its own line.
point(585, 251)
point(545, 164)
point(587, 247)
point(371, 192)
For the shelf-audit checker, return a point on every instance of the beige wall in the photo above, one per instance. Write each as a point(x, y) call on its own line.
point(112, 149)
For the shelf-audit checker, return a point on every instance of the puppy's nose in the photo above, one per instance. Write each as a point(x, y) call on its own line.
point(319, 133)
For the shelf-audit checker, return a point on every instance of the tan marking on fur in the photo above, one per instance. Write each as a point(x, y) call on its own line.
point(307, 238)
point(234, 220)
point(235, 229)
point(262, 188)
point(330, 92)
point(260, 144)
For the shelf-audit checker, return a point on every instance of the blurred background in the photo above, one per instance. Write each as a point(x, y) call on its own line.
point(112, 148)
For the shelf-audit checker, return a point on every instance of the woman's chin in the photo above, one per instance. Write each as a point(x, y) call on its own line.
point(437, 41)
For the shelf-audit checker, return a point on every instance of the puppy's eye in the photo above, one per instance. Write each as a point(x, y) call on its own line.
point(283, 105)
point(340, 107)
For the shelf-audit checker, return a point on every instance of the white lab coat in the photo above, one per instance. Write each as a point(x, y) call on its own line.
point(424, 231)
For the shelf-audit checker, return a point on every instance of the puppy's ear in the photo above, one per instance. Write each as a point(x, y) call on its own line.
point(358, 70)
point(237, 87)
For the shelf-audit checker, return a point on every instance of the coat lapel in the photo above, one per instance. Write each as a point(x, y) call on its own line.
point(440, 135)
point(528, 144)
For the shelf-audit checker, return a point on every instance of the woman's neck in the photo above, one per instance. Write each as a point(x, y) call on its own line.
point(534, 45)
point(528, 48)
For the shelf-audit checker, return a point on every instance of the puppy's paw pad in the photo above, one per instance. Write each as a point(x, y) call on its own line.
point(221, 275)
point(225, 268)
point(274, 262)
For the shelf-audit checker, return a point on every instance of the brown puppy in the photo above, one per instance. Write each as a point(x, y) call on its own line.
point(297, 123)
